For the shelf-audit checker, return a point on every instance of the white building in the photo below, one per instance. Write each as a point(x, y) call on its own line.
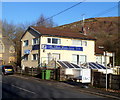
point(40, 45)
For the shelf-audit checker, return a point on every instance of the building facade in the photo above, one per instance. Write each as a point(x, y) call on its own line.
point(103, 56)
point(41, 45)
point(7, 51)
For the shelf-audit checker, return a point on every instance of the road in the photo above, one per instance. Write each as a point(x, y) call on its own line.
point(17, 87)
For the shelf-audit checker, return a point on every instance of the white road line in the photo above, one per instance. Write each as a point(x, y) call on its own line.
point(21, 77)
point(22, 89)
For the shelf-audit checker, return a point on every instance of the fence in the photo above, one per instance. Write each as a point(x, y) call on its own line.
point(38, 72)
point(28, 71)
point(99, 80)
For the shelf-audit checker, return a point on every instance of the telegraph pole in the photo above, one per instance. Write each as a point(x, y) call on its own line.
point(83, 24)
point(105, 54)
point(39, 52)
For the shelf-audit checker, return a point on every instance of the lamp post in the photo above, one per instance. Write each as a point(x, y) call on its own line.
point(105, 55)
point(39, 62)
point(105, 60)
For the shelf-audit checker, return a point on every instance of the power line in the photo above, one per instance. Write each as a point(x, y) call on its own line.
point(62, 11)
point(106, 11)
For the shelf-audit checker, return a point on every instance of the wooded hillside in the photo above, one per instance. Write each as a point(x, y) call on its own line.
point(104, 29)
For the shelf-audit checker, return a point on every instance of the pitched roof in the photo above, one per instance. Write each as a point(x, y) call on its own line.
point(60, 33)
point(98, 50)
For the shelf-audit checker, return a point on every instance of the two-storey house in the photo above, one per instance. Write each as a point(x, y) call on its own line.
point(41, 45)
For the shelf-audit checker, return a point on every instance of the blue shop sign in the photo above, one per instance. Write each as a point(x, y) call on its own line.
point(26, 51)
point(58, 47)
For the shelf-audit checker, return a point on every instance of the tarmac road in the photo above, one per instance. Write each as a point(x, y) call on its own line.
point(17, 87)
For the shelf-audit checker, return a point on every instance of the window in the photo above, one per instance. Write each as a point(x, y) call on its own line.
point(84, 43)
point(82, 59)
point(35, 57)
point(49, 40)
point(74, 59)
point(26, 57)
point(35, 41)
point(79, 59)
point(54, 40)
point(11, 59)
point(77, 42)
point(99, 59)
point(12, 49)
point(56, 56)
point(25, 43)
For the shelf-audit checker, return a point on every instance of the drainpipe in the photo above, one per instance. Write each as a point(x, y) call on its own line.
point(113, 60)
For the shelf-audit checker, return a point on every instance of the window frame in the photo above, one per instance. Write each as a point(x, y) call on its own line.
point(26, 55)
point(78, 58)
point(51, 40)
point(24, 44)
point(84, 43)
point(76, 42)
point(36, 57)
point(37, 41)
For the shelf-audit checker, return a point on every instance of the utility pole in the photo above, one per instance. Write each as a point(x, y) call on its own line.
point(105, 55)
point(39, 52)
point(83, 24)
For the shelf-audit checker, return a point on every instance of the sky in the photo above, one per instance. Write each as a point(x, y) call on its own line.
point(28, 12)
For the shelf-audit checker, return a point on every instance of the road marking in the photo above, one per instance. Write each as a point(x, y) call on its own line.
point(20, 77)
point(22, 88)
point(100, 94)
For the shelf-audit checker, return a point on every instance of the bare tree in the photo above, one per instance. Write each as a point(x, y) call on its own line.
point(45, 22)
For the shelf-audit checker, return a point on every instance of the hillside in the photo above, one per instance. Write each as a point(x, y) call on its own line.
point(104, 29)
point(101, 28)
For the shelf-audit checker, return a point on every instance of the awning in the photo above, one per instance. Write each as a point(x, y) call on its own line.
point(67, 64)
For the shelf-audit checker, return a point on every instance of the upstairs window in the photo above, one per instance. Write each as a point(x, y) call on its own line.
point(35, 41)
point(49, 40)
point(77, 42)
point(25, 43)
point(84, 43)
point(54, 40)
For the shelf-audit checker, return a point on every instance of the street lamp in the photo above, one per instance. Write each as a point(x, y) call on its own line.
point(105, 55)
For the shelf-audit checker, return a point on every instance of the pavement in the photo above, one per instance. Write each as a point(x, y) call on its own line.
point(114, 94)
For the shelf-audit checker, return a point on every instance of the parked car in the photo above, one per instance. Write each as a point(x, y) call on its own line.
point(7, 69)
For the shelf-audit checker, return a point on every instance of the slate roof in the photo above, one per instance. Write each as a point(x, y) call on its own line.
point(60, 33)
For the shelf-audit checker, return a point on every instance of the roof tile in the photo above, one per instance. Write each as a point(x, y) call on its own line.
point(61, 33)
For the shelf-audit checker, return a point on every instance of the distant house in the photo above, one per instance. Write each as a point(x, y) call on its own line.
point(100, 56)
point(7, 51)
